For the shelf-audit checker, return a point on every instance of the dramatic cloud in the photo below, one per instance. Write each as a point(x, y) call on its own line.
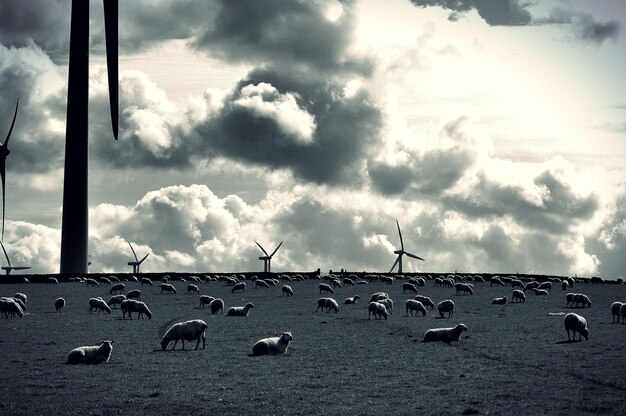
point(495, 13)
point(610, 244)
point(583, 25)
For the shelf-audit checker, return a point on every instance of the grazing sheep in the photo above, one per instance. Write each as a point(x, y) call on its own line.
point(146, 281)
point(388, 304)
point(191, 288)
point(580, 299)
point(239, 287)
point(134, 294)
point(463, 288)
point(270, 282)
point(287, 290)
point(530, 286)
point(93, 354)
point(409, 287)
point(352, 300)
point(116, 300)
point(166, 287)
point(623, 313)
point(616, 311)
point(21, 297)
point(165, 279)
point(119, 287)
point(500, 301)
point(19, 302)
point(98, 304)
point(519, 296)
point(130, 305)
point(425, 300)
point(570, 281)
point(52, 281)
point(378, 296)
point(448, 282)
point(576, 323)
point(540, 292)
point(377, 309)
point(239, 310)
point(205, 300)
point(446, 335)
point(516, 283)
point(415, 305)
point(438, 281)
point(326, 304)
point(325, 288)
point(216, 305)
point(564, 284)
point(274, 345)
point(420, 282)
point(570, 300)
point(8, 306)
point(546, 286)
point(59, 304)
point(260, 283)
point(348, 282)
point(185, 331)
point(496, 281)
point(105, 280)
point(91, 282)
point(336, 282)
point(446, 306)
point(387, 279)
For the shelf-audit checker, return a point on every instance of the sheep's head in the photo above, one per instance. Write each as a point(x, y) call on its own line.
point(462, 327)
point(585, 333)
point(287, 336)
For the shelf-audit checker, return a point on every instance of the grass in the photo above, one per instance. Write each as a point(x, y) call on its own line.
point(512, 359)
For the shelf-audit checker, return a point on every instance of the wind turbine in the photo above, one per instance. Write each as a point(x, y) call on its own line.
point(401, 253)
point(267, 259)
point(137, 262)
point(4, 152)
point(75, 225)
point(9, 268)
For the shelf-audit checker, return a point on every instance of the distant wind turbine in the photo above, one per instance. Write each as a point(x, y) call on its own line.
point(9, 268)
point(401, 253)
point(137, 262)
point(267, 259)
point(4, 152)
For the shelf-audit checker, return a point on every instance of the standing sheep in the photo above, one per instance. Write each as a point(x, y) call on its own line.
point(377, 309)
point(119, 287)
point(325, 288)
point(463, 288)
point(130, 305)
point(274, 345)
point(239, 287)
point(185, 331)
point(446, 335)
point(425, 300)
point(166, 287)
point(205, 300)
point(21, 297)
point(388, 304)
point(519, 296)
point(616, 311)
point(414, 305)
point(623, 313)
point(216, 305)
point(546, 286)
point(240, 310)
point(540, 292)
point(134, 294)
point(580, 299)
point(146, 281)
point(59, 304)
point(378, 296)
point(409, 287)
point(446, 306)
point(287, 290)
point(93, 354)
point(530, 286)
point(8, 306)
point(98, 304)
point(260, 283)
point(576, 323)
point(116, 300)
point(564, 284)
point(191, 288)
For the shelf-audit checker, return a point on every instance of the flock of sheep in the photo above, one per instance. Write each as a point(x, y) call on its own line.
point(380, 306)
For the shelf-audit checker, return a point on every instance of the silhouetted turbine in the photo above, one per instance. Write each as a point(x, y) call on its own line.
point(267, 259)
point(401, 253)
point(137, 262)
point(4, 152)
point(9, 268)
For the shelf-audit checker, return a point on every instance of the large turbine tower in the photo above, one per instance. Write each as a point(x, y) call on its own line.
point(401, 253)
point(267, 259)
point(75, 226)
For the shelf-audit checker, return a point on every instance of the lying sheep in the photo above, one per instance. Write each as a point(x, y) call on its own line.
point(239, 287)
point(185, 331)
point(413, 305)
point(98, 304)
point(325, 288)
point(352, 300)
point(8, 306)
point(146, 281)
point(576, 323)
point(274, 345)
point(616, 311)
point(217, 305)
point(519, 296)
point(191, 288)
point(446, 335)
point(500, 301)
point(130, 305)
point(446, 306)
point(463, 288)
point(116, 300)
point(168, 288)
point(409, 287)
point(240, 310)
point(205, 300)
point(540, 292)
point(93, 354)
point(134, 294)
point(425, 300)
point(118, 287)
point(287, 290)
point(59, 304)
point(377, 309)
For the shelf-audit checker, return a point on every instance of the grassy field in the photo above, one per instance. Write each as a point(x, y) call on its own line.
point(513, 359)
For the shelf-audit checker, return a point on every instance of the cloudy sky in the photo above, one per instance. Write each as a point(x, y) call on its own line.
point(495, 132)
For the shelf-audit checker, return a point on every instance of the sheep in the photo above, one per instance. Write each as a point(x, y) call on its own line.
point(348, 282)
point(165, 279)
point(496, 281)
point(119, 287)
point(205, 300)
point(579, 298)
point(414, 305)
point(114, 279)
point(519, 296)
point(19, 302)
point(576, 323)
point(105, 280)
point(130, 305)
point(134, 279)
point(425, 300)
point(420, 282)
point(146, 281)
point(191, 288)
point(93, 354)
point(499, 301)
point(446, 335)
point(21, 297)
point(438, 281)
point(546, 286)
point(52, 281)
point(446, 306)
point(240, 310)
point(91, 282)
point(185, 331)
point(540, 292)
point(274, 345)
point(623, 313)
point(336, 282)
point(516, 283)
point(99, 304)
point(570, 281)
point(616, 308)
point(378, 296)
point(59, 304)
point(352, 300)
point(530, 286)
point(239, 287)
point(260, 283)
point(134, 294)
point(463, 288)
point(377, 309)
point(9, 306)
point(166, 287)
point(287, 290)
point(216, 305)
point(564, 285)
point(448, 283)
point(270, 282)
point(326, 304)
point(409, 287)
point(388, 304)
point(325, 288)
point(116, 300)
point(387, 279)
point(570, 300)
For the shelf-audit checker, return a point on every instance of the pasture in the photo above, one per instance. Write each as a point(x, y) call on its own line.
point(513, 358)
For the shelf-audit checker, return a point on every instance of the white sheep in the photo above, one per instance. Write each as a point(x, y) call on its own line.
point(530, 286)
point(146, 281)
point(326, 304)
point(91, 282)
point(500, 301)
point(616, 311)
point(273, 345)
point(540, 292)
point(105, 280)
point(116, 300)
point(52, 281)
point(496, 281)
point(446, 306)
point(134, 294)
point(425, 300)
point(570, 299)
point(377, 309)
point(287, 290)
point(352, 300)
point(217, 305)
point(8, 306)
point(446, 335)
point(93, 354)
point(99, 304)
point(168, 288)
point(59, 304)
point(623, 313)
point(463, 288)
point(325, 288)
point(546, 286)
point(191, 288)
point(260, 283)
point(21, 297)
point(348, 282)
point(378, 296)
point(119, 288)
point(239, 287)
point(564, 284)
point(388, 304)
point(580, 299)
point(185, 331)
point(516, 283)
point(415, 305)
point(205, 300)
point(240, 310)
point(576, 323)
point(409, 287)
point(130, 305)
point(519, 296)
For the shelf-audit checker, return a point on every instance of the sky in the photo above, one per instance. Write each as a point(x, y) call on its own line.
point(494, 132)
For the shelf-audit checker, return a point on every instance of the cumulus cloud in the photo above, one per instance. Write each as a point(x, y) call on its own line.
point(609, 245)
point(495, 13)
point(583, 25)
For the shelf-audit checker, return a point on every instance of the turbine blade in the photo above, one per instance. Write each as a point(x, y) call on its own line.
point(134, 254)
point(274, 252)
point(262, 249)
point(3, 179)
point(396, 262)
point(144, 257)
point(6, 141)
point(111, 36)
point(400, 233)
point(414, 256)
point(5, 254)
